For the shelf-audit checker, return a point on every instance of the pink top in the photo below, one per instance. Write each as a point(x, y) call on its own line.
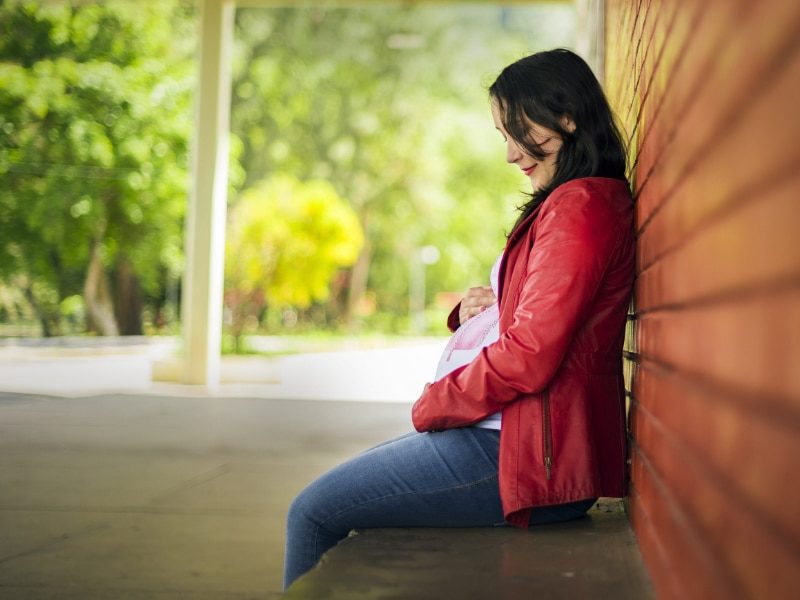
point(468, 340)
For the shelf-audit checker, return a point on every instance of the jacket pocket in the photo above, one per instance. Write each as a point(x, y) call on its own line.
point(547, 434)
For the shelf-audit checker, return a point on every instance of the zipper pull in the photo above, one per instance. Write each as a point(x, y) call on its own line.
point(548, 464)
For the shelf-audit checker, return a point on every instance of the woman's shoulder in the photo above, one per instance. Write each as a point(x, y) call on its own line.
point(594, 205)
point(595, 194)
point(593, 200)
point(591, 188)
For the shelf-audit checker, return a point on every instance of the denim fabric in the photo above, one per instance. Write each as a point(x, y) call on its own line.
point(442, 479)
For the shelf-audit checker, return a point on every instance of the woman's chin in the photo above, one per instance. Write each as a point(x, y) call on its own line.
point(537, 184)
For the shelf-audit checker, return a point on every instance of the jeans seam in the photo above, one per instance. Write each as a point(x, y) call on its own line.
point(436, 491)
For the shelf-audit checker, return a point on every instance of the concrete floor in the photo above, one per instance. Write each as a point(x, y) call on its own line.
point(123, 496)
point(126, 496)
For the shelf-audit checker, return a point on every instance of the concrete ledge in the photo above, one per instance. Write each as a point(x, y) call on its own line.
point(594, 557)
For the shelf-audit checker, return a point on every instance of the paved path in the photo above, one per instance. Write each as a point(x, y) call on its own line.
point(384, 374)
point(124, 496)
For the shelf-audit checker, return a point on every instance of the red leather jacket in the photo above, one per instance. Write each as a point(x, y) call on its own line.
point(556, 371)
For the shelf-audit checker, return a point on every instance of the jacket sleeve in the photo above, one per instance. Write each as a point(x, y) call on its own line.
point(575, 241)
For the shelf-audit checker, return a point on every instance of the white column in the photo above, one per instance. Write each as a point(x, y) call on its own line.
point(201, 313)
point(590, 42)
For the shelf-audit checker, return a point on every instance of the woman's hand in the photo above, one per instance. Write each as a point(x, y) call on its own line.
point(475, 301)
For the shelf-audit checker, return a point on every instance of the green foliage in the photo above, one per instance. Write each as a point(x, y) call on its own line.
point(95, 113)
point(286, 240)
point(386, 104)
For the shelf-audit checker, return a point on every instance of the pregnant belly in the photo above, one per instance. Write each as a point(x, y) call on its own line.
point(468, 340)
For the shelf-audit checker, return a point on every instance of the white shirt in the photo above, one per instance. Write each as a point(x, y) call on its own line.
point(470, 338)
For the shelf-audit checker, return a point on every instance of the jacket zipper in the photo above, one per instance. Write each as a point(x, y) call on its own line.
point(548, 438)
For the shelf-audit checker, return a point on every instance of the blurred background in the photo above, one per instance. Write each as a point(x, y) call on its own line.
point(367, 186)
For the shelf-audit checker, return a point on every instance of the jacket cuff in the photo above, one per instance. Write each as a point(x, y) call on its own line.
point(415, 419)
point(453, 322)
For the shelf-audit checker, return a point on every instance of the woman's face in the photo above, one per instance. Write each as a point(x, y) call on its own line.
point(540, 172)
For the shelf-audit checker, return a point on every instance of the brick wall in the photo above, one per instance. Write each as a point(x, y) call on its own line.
point(709, 95)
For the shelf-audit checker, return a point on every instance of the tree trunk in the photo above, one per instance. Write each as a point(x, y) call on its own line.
point(50, 322)
point(128, 302)
point(97, 296)
point(358, 287)
point(333, 310)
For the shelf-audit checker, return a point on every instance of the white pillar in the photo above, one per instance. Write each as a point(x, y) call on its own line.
point(201, 314)
point(590, 42)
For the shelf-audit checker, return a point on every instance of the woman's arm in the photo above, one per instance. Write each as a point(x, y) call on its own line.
point(575, 242)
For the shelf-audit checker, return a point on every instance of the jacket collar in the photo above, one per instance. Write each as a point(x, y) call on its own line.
point(523, 227)
point(513, 238)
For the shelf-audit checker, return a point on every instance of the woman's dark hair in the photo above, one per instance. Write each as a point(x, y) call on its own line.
point(544, 87)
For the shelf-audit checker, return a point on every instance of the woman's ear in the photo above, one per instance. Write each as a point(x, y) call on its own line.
point(567, 123)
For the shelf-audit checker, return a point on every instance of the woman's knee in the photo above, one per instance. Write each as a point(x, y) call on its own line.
point(313, 508)
point(303, 511)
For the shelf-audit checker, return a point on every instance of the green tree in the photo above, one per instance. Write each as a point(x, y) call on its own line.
point(95, 113)
point(286, 240)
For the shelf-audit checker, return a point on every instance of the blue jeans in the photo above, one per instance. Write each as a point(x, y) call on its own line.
point(442, 479)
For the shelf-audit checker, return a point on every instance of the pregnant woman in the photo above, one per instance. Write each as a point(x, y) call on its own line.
point(525, 423)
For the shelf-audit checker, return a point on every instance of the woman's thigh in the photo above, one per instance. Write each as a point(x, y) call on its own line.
point(442, 479)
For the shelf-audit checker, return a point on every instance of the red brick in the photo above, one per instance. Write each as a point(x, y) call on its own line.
point(738, 555)
point(748, 344)
point(690, 569)
point(751, 247)
point(701, 117)
point(754, 154)
point(748, 451)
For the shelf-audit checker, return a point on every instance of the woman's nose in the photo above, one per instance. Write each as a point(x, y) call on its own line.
point(513, 153)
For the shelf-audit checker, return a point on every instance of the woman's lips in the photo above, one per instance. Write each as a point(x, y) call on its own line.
point(529, 170)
